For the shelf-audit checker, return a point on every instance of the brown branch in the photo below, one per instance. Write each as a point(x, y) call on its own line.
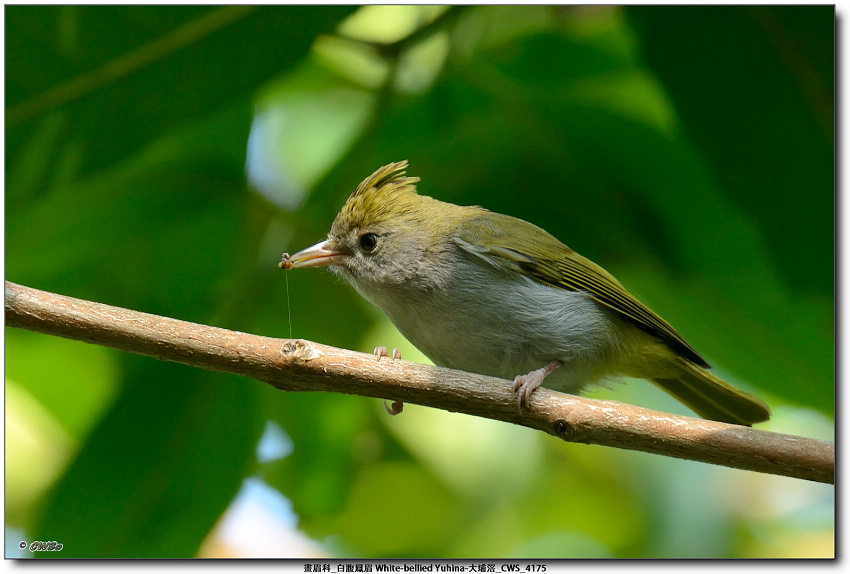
point(298, 365)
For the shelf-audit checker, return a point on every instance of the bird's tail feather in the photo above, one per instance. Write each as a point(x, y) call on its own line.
point(711, 397)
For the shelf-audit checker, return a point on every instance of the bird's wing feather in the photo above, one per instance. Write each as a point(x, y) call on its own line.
point(508, 242)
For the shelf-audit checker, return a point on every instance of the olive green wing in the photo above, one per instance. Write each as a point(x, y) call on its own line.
point(505, 241)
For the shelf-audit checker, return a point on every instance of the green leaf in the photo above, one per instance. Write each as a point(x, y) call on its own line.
point(133, 73)
point(159, 469)
point(754, 87)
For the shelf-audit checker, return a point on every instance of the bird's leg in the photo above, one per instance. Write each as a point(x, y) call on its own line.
point(397, 406)
point(524, 385)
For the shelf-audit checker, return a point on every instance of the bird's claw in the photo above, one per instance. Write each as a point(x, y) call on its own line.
point(382, 352)
point(397, 406)
point(526, 384)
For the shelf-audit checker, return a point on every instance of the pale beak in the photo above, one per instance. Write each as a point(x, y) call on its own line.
point(316, 255)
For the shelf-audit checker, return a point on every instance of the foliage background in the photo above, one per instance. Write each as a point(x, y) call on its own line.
point(162, 158)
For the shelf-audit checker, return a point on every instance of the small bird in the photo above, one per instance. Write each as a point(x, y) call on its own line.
point(492, 294)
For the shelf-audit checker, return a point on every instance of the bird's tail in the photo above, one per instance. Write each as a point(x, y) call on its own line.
point(711, 397)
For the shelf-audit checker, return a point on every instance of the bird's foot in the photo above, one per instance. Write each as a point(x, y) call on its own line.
point(526, 384)
point(394, 408)
point(397, 406)
point(382, 352)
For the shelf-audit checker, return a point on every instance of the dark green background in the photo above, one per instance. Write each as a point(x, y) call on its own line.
point(689, 150)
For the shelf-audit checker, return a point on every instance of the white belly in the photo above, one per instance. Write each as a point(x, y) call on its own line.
point(508, 326)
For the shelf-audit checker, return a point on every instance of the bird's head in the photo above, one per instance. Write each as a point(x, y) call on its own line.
point(385, 235)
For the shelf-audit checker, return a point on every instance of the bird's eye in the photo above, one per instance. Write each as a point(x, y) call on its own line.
point(368, 241)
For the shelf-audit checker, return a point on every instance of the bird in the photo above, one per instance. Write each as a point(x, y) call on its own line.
point(489, 293)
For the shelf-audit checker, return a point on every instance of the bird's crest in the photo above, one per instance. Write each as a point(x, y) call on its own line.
point(385, 193)
point(389, 176)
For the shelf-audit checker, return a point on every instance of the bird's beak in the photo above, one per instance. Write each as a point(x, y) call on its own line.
point(316, 255)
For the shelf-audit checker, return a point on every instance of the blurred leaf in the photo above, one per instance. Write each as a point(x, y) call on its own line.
point(387, 24)
point(497, 457)
point(177, 221)
point(758, 101)
point(333, 435)
point(304, 124)
point(160, 469)
point(37, 450)
point(560, 544)
point(373, 524)
point(87, 371)
point(145, 69)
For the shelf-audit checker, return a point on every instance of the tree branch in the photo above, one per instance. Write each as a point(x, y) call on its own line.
point(298, 365)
